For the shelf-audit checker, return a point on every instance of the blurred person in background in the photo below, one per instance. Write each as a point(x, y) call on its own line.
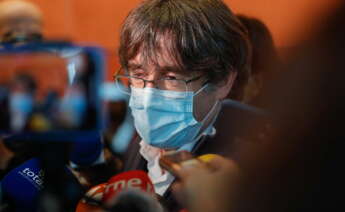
point(299, 168)
point(21, 100)
point(264, 61)
point(20, 22)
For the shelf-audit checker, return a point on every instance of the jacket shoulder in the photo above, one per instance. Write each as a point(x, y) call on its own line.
point(234, 121)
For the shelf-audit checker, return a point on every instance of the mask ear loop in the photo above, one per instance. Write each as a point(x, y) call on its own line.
point(201, 89)
point(210, 112)
point(213, 107)
point(200, 133)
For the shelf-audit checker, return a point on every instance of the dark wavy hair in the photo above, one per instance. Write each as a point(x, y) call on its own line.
point(201, 35)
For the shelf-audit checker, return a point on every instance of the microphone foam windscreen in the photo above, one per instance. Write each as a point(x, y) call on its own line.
point(95, 193)
point(22, 185)
point(130, 180)
point(86, 149)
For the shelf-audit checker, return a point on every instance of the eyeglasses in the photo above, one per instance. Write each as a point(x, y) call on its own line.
point(125, 83)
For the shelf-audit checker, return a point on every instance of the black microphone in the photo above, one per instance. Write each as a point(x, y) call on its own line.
point(22, 187)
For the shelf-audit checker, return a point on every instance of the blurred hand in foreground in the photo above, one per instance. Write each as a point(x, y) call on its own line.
point(207, 186)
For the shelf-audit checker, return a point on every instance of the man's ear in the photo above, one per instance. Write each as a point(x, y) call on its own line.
point(226, 85)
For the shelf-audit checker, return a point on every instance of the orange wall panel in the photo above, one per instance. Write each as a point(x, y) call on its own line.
point(98, 22)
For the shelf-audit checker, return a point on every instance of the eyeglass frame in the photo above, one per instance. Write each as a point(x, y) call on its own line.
point(116, 76)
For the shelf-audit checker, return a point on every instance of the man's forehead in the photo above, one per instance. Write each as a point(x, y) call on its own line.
point(163, 52)
point(162, 60)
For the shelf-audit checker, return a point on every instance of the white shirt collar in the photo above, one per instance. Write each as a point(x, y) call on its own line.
point(160, 178)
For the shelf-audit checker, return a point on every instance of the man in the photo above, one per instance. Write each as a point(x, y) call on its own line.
point(181, 59)
point(20, 22)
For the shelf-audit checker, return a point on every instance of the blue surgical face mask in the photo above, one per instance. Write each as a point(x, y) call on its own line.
point(163, 118)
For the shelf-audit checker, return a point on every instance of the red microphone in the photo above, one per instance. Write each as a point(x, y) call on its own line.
point(95, 193)
point(130, 180)
point(131, 191)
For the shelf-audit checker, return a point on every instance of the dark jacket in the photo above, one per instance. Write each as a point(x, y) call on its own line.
point(231, 123)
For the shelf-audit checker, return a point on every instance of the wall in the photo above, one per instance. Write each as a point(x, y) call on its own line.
point(98, 21)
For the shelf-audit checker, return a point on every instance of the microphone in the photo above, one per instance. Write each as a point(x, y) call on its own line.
point(92, 199)
point(131, 191)
point(130, 180)
point(22, 185)
point(87, 150)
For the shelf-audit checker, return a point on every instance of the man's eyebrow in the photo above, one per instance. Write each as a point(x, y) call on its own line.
point(134, 65)
point(162, 69)
point(173, 69)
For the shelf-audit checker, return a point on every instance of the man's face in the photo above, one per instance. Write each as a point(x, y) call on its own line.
point(166, 67)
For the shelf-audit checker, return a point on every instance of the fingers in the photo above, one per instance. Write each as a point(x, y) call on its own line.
point(206, 182)
point(221, 163)
point(215, 164)
point(190, 167)
point(5, 155)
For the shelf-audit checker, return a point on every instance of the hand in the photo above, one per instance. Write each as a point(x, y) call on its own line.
point(207, 186)
point(5, 155)
point(93, 175)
